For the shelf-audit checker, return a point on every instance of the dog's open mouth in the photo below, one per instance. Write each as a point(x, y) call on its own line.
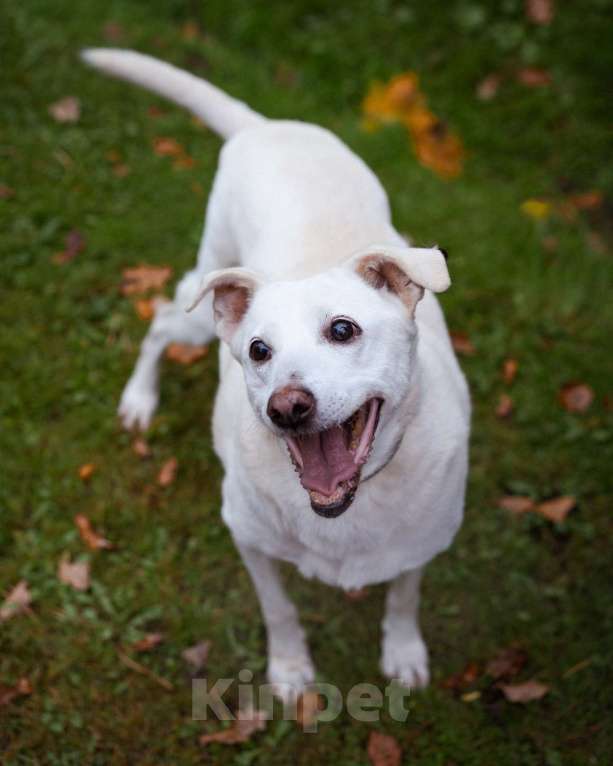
point(330, 462)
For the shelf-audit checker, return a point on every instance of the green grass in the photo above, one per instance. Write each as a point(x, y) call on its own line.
point(68, 340)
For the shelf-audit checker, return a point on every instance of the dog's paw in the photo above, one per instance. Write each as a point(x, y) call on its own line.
point(137, 405)
point(290, 675)
point(406, 662)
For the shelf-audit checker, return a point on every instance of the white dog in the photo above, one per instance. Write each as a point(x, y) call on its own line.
point(342, 416)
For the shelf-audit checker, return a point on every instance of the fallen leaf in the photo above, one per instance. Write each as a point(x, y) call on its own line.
point(190, 31)
point(17, 601)
point(131, 663)
point(197, 655)
point(462, 344)
point(73, 573)
point(74, 244)
point(516, 503)
point(383, 750)
point(589, 200)
point(307, 709)
point(142, 278)
point(507, 663)
point(148, 642)
point(67, 109)
point(509, 370)
point(155, 111)
point(550, 243)
point(246, 724)
point(576, 397)
point(145, 308)
point(141, 448)
point(121, 170)
point(182, 354)
point(540, 11)
point(169, 147)
point(356, 594)
point(536, 209)
point(113, 31)
point(526, 692)
point(89, 537)
point(6, 192)
point(86, 471)
point(557, 509)
point(532, 77)
point(471, 696)
point(488, 87)
point(505, 406)
point(401, 100)
point(596, 243)
point(168, 472)
point(464, 678)
point(8, 693)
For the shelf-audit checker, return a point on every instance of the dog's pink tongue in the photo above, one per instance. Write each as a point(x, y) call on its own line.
point(326, 461)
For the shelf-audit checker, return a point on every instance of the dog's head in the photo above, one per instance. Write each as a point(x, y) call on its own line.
point(328, 360)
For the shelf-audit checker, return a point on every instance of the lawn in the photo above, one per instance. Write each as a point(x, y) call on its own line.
point(530, 283)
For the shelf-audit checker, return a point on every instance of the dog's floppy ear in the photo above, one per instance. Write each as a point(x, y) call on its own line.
point(233, 290)
point(404, 271)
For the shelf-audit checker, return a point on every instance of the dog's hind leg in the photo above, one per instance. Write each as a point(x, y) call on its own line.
point(171, 324)
point(289, 664)
point(405, 656)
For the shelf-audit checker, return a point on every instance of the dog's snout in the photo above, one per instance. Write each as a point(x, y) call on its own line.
point(290, 407)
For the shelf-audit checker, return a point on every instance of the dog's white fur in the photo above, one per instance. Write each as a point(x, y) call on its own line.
point(293, 223)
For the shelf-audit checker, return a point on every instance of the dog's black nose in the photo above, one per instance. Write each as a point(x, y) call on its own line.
point(290, 407)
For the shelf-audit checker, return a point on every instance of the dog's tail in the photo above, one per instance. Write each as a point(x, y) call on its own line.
point(222, 113)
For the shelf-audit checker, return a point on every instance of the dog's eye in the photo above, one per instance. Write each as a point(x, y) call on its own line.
point(342, 330)
point(259, 351)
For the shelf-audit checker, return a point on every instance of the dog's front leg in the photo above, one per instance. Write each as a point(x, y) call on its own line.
point(289, 664)
point(404, 656)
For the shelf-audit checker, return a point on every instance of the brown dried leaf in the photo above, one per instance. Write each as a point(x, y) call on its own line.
point(86, 471)
point(167, 147)
point(74, 244)
point(464, 678)
point(590, 200)
point(67, 109)
point(488, 87)
point(73, 573)
point(141, 448)
point(307, 709)
point(113, 32)
point(142, 278)
point(507, 663)
point(356, 594)
point(576, 397)
point(89, 537)
point(8, 693)
point(532, 77)
point(197, 655)
point(145, 308)
point(148, 642)
point(462, 344)
point(247, 723)
point(190, 31)
point(168, 472)
point(540, 11)
point(6, 192)
point(504, 408)
point(526, 692)
point(17, 601)
point(383, 750)
point(509, 370)
point(557, 509)
point(182, 354)
point(516, 503)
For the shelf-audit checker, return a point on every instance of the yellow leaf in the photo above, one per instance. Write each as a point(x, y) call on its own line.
point(536, 209)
